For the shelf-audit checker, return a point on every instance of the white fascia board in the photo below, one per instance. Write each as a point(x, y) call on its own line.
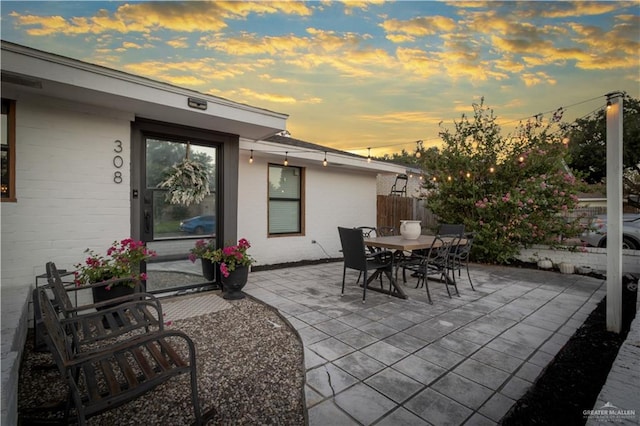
point(277, 151)
point(81, 81)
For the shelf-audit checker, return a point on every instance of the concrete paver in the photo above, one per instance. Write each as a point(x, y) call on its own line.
point(461, 360)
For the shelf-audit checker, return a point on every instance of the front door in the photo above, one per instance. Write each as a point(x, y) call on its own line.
point(172, 229)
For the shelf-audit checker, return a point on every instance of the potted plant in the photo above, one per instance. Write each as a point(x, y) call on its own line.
point(234, 264)
point(115, 273)
point(199, 250)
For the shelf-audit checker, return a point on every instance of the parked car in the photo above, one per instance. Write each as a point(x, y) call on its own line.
point(199, 225)
point(597, 235)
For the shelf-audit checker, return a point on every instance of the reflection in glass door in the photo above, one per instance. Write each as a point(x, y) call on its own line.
point(172, 229)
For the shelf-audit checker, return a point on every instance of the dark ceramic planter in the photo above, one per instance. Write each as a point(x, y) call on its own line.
point(234, 283)
point(101, 294)
point(208, 270)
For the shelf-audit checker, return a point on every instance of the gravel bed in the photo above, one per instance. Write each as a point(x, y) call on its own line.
point(250, 371)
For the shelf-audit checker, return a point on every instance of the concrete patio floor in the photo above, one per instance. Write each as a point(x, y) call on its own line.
point(461, 360)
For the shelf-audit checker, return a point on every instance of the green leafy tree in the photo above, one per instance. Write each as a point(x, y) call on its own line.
point(512, 191)
point(587, 145)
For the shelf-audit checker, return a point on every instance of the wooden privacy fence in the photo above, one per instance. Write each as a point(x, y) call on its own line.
point(391, 209)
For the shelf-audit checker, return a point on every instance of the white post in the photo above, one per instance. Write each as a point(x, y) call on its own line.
point(614, 211)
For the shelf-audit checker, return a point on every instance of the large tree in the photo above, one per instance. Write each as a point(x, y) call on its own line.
point(587, 145)
point(512, 191)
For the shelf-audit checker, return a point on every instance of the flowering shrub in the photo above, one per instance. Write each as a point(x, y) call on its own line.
point(231, 257)
point(512, 192)
point(202, 248)
point(122, 260)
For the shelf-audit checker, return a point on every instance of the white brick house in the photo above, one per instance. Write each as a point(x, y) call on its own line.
point(79, 140)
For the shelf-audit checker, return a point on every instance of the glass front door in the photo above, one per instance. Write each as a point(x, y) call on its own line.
point(172, 229)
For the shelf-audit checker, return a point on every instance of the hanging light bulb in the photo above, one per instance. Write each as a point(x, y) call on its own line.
point(324, 162)
point(369, 156)
point(419, 149)
point(286, 159)
point(468, 174)
point(608, 104)
point(251, 158)
point(492, 169)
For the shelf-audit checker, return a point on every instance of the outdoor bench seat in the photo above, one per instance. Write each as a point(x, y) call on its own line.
point(116, 374)
point(91, 324)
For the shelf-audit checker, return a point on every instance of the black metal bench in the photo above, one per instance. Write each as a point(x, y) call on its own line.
point(115, 374)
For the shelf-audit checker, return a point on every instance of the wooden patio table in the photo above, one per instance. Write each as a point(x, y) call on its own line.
point(401, 244)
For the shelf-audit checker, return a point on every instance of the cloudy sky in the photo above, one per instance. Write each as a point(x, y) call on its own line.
point(357, 74)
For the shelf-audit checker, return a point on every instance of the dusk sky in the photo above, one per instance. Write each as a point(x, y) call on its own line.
point(357, 74)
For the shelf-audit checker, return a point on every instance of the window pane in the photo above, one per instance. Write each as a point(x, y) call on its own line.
point(284, 182)
point(174, 220)
point(284, 217)
point(7, 151)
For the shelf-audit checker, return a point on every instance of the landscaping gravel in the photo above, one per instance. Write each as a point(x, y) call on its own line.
point(250, 371)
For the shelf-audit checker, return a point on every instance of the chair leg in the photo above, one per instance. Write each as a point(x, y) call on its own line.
point(426, 284)
point(364, 286)
point(469, 275)
point(344, 274)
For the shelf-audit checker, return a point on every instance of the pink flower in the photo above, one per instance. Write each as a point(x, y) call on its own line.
point(224, 269)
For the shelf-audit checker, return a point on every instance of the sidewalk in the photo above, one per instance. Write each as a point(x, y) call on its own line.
point(463, 360)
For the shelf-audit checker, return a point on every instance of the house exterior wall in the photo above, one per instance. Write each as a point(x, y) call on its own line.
point(333, 197)
point(66, 196)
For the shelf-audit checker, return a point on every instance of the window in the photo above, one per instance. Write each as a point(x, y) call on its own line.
point(286, 185)
point(8, 185)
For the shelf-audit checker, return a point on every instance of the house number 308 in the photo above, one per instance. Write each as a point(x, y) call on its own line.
point(118, 162)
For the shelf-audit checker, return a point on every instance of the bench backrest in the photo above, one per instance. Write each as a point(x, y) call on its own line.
point(55, 333)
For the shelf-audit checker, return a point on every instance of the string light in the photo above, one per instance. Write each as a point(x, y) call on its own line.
point(251, 158)
point(492, 169)
point(286, 159)
point(369, 156)
point(468, 175)
point(324, 162)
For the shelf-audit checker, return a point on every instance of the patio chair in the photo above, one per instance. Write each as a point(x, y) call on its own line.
point(451, 229)
point(387, 231)
point(356, 257)
point(120, 372)
point(431, 262)
point(369, 232)
point(460, 258)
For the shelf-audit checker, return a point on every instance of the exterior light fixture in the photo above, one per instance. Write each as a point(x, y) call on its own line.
point(419, 148)
point(197, 103)
point(324, 162)
point(251, 158)
point(286, 158)
point(369, 156)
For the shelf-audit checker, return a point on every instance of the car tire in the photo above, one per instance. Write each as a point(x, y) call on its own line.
point(630, 243)
point(627, 243)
